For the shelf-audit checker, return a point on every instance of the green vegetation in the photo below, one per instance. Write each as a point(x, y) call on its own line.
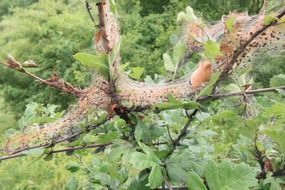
point(221, 149)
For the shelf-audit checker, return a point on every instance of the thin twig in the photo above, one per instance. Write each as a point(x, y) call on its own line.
point(88, 8)
point(256, 91)
point(183, 132)
point(79, 148)
point(158, 143)
point(57, 151)
point(168, 131)
point(54, 81)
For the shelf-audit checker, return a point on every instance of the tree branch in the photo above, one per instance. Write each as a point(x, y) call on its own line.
point(257, 91)
point(54, 81)
point(57, 151)
point(243, 46)
point(183, 132)
point(52, 143)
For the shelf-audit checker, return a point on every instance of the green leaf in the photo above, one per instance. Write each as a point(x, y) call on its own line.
point(98, 62)
point(275, 183)
point(211, 49)
point(212, 176)
point(10, 132)
point(187, 16)
point(142, 132)
point(150, 153)
point(138, 132)
point(72, 184)
point(176, 172)
point(168, 63)
point(72, 167)
point(89, 138)
point(278, 136)
point(226, 176)
point(107, 138)
point(230, 23)
point(173, 100)
point(155, 177)
point(268, 19)
point(140, 160)
point(113, 6)
point(207, 90)
point(178, 52)
point(48, 157)
point(176, 104)
point(195, 182)
point(136, 72)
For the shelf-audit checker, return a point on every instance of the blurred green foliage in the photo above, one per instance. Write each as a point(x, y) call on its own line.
point(52, 31)
point(48, 32)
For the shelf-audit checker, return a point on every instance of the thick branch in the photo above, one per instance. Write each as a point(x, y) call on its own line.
point(47, 142)
point(244, 44)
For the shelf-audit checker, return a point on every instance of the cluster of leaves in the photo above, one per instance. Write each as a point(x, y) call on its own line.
point(141, 154)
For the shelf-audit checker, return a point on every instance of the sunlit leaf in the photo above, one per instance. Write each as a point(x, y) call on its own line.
point(155, 177)
point(229, 22)
point(211, 49)
point(226, 175)
point(168, 63)
point(195, 182)
point(98, 62)
point(268, 19)
point(72, 167)
point(178, 52)
point(140, 160)
point(207, 90)
point(136, 72)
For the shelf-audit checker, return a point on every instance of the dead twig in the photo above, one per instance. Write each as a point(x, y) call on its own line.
point(54, 81)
